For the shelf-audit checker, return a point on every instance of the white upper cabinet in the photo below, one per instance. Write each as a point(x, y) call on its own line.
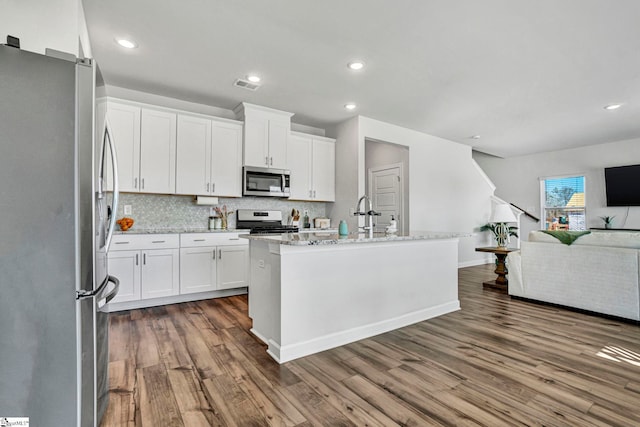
point(209, 157)
point(312, 164)
point(125, 126)
point(145, 141)
point(266, 134)
point(157, 152)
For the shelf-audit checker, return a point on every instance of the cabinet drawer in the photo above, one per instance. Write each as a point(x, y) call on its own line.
point(122, 242)
point(194, 240)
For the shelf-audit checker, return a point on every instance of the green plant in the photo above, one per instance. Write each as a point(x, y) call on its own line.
point(490, 226)
point(607, 219)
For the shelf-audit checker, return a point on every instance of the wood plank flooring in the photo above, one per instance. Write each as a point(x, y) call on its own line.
point(497, 362)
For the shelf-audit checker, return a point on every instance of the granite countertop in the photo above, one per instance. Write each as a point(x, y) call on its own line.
point(176, 230)
point(332, 238)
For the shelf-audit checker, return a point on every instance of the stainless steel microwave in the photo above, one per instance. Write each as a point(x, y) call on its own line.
point(265, 182)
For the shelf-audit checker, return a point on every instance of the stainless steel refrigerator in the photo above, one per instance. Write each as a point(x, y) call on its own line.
point(55, 228)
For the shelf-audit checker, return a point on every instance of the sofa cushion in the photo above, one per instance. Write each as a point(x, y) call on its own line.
point(617, 239)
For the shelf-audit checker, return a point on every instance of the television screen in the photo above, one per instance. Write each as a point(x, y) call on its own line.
point(623, 185)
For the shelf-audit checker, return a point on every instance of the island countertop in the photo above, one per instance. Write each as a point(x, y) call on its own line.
point(332, 238)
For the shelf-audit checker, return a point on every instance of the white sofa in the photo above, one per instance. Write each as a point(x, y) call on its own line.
point(598, 272)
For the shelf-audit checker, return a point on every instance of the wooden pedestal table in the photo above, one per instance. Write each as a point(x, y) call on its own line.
point(501, 281)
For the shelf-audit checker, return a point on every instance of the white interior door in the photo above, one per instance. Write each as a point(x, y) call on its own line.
point(385, 188)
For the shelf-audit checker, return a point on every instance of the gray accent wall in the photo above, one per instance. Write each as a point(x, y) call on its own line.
point(517, 179)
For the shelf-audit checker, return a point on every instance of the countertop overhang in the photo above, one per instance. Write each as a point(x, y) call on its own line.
point(332, 238)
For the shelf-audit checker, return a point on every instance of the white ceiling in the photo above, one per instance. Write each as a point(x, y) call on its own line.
point(526, 75)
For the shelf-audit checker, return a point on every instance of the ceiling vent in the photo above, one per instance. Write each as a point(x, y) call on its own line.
point(245, 84)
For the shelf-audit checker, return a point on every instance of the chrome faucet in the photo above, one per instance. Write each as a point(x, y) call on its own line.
point(370, 213)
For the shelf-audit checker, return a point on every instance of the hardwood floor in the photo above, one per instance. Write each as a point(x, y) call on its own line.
point(496, 362)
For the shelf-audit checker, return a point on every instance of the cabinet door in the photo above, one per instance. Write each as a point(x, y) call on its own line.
point(256, 142)
point(160, 273)
point(278, 138)
point(125, 265)
point(324, 170)
point(197, 269)
point(233, 266)
point(158, 152)
point(193, 156)
point(125, 125)
point(299, 155)
point(226, 159)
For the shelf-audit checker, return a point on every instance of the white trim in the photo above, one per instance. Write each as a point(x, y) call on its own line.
point(473, 263)
point(286, 353)
point(174, 299)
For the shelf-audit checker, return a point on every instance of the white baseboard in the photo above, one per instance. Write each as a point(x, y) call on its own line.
point(475, 262)
point(174, 299)
point(289, 352)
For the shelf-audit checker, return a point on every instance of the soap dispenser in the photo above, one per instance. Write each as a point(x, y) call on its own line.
point(342, 228)
point(393, 225)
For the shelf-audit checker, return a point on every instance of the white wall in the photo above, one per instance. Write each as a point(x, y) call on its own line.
point(41, 24)
point(447, 192)
point(517, 179)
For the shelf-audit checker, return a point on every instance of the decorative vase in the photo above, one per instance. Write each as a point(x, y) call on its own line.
point(223, 224)
point(607, 225)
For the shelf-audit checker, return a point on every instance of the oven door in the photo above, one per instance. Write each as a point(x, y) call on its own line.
point(265, 182)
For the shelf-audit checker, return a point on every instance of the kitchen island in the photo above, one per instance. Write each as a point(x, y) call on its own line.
point(314, 291)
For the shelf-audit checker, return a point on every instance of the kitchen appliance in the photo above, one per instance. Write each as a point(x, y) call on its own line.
point(265, 182)
point(263, 222)
point(57, 227)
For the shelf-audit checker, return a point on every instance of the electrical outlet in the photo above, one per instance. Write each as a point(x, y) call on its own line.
point(127, 209)
point(261, 263)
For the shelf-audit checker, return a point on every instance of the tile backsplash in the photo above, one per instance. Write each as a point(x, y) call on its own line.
point(171, 211)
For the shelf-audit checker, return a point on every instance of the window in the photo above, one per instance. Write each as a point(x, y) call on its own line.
point(563, 204)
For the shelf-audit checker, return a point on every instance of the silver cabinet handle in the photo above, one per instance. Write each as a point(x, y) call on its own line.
point(198, 240)
point(122, 243)
point(136, 259)
point(236, 238)
point(214, 254)
point(213, 187)
point(135, 182)
point(271, 161)
point(219, 253)
point(142, 188)
point(266, 160)
point(207, 187)
point(144, 259)
point(158, 241)
point(314, 194)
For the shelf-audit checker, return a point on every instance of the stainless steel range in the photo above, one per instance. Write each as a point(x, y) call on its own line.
point(263, 222)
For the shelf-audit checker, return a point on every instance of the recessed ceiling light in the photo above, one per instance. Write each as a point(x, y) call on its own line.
point(253, 78)
point(127, 43)
point(612, 106)
point(356, 65)
point(475, 137)
point(350, 106)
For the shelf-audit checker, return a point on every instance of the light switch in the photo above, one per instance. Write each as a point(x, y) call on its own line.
point(127, 209)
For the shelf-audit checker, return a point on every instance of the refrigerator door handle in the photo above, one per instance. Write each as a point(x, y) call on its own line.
point(112, 294)
point(116, 187)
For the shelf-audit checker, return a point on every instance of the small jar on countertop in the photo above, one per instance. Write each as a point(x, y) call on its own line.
point(343, 230)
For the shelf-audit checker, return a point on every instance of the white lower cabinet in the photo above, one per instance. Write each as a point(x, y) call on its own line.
point(146, 265)
point(125, 265)
point(211, 262)
point(156, 269)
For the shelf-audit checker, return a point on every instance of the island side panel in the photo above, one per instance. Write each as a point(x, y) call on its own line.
point(331, 295)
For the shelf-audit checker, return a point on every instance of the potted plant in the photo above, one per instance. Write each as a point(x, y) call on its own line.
point(608, 221)
point(495, 228)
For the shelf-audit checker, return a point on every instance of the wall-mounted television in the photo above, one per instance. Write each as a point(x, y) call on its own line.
point(622, 184)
